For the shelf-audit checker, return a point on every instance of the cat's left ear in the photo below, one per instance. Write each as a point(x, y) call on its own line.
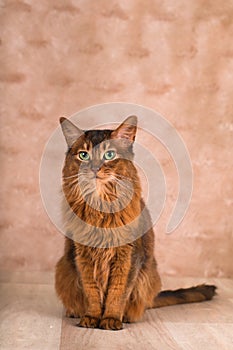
point(70, 131)
point(127, 130)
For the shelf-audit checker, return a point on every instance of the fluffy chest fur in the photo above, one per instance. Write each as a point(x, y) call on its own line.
point(102, 263)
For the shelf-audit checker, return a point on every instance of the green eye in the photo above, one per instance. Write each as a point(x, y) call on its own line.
point(109, 155)
point(84, 155)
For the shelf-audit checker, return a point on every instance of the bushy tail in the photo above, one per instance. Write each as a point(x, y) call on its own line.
point(196, 294)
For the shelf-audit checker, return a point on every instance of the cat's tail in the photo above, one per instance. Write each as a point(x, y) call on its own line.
point(196, 294)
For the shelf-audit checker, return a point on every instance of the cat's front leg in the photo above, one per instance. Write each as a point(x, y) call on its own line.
point(116, 293)
point(93, 311)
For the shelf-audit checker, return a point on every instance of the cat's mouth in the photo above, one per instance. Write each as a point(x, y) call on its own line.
point(101, 177)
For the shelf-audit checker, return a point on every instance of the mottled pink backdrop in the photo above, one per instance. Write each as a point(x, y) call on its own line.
point(176, 57)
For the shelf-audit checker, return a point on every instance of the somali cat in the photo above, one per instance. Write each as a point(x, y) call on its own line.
point(108, 273)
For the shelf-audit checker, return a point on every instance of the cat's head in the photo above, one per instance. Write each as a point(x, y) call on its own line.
point(98, 159)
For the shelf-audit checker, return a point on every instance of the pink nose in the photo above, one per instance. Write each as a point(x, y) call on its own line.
point(95, 170)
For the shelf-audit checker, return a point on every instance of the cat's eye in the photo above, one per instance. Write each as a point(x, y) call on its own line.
point(109, 155)
point(84, 155)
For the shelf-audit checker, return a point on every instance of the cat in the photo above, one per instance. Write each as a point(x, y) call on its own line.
point(108, 274)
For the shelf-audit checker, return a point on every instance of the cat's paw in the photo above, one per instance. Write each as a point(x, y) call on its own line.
point(88, 322)
point(126, 319)
point(111, 323)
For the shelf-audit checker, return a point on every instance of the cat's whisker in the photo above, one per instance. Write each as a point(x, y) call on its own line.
point(127, 178)
point(124, 188)
point(69, 177)
point(75, 175)
point(123, 178)
point(70, 183)
point(124, 184)
point(83, 173)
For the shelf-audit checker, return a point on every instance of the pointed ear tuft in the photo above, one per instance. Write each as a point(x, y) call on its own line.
point(70, 131)
point(127, 130)
point(62, 119)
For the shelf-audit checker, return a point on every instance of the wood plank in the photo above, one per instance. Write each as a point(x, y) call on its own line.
point(192, 326)
point(199, 336)
point(143, 335)
point(30, 317)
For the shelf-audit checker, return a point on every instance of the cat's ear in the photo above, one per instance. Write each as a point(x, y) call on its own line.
point(70, 131)
point(127, 130)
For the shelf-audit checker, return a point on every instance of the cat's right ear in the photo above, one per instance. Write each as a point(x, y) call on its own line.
point(70, 131)
point(127, 130)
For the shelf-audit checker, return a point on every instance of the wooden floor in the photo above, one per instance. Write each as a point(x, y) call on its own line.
point(32, 318)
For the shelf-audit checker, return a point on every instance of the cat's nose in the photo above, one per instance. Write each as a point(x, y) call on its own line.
point(95, 170)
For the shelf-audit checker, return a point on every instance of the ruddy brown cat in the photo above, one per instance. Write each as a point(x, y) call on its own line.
point(108, 273)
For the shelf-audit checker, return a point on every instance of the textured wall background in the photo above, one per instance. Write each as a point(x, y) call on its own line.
point(173, 56)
